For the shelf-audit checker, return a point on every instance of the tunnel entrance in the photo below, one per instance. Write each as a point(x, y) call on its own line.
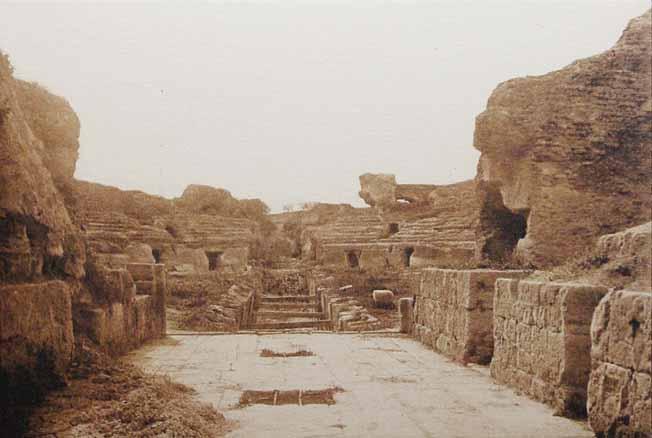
point(214, 260)
point(352, 259)
point(156, 253)
point(393, 228)
point(500, 227)
point(407, 256)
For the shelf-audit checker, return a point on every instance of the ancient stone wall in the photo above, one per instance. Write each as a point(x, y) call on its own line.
point(629, 252)
point(127, 306)
point(436, 229)
point(36, 334)
point(41, 251)
point(174, 229)
point(542, 340)
point(454, 312)
point(566, 156)
point(55, 289)
point(620, 386)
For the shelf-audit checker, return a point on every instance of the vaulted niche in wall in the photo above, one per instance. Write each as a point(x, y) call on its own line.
point(407, 256)
point(500, 227)
point(352, 259)
point(393, 228)
point(214, 260)
point(157, 255)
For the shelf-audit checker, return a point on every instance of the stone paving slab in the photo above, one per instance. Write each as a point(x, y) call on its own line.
point(393, 387)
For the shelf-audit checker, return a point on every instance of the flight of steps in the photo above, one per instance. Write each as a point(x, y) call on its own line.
point(277, 312)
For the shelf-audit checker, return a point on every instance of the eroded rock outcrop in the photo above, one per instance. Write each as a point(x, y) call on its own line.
point(42, 253)
point(37, 236)
point(566, 156)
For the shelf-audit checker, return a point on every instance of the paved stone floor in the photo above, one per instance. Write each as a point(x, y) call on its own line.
point(393, 387)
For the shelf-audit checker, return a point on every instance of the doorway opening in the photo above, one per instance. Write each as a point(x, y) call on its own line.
point(214, 260)
point(156, 253)
point(407, 256)
point(352, 259)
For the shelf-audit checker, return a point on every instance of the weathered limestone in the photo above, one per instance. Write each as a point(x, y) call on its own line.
point(378, 190)
point(345, 313)
point(434, 227)
point(128, 306)
point(631, 250)
point(53, 121)
point(36, 332)
point(383, 298)
point(566, 156)
point(37, 237)
point(542, 340)
point(406, 314)
point(139, 253)
point(620, 386)
point(455, 310)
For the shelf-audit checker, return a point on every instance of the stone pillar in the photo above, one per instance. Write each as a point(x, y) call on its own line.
point(406, 313)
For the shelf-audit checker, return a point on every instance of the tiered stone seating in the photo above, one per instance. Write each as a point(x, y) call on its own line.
point(211, 231)
point(361, 227)
point(436, 231)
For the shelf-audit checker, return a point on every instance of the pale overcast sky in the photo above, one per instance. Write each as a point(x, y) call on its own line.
point(290, 101)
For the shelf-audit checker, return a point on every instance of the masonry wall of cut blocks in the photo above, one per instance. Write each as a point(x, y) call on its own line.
point(454, 312)
point(620, 386)
point(542, 340)
point(134, 309)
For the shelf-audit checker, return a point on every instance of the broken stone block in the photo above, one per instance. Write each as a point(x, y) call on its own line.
point(383, 298)
point(36, 332)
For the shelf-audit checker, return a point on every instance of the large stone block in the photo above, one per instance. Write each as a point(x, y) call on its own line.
point(541, 340)
point(619, 390)
point(36, 331)
point(454, 311)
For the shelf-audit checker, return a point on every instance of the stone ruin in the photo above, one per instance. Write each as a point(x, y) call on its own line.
point(563, 177)
point(565, 156)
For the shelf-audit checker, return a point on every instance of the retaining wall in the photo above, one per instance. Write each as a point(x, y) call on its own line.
point(542, 340)
point(620, 386)
point(454, 312)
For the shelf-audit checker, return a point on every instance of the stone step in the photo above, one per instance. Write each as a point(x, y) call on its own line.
point(288, 299)
point(282, 314)
point(287, 306)
point(323, 324)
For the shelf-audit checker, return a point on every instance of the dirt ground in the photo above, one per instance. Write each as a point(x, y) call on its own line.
point(108, 398)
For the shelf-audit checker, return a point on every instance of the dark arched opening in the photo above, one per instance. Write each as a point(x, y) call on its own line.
point(352, 259)
point(407, 256)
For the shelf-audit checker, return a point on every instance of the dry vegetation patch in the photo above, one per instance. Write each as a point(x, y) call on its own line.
point(271, 353)
point(105, 399)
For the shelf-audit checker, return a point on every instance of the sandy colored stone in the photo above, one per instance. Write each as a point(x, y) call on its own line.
point(36, 330)
point(139, 253)
point(568, 153)
point(454, 311)
point(542, 343)
point(37, 236)
point(619, 389)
